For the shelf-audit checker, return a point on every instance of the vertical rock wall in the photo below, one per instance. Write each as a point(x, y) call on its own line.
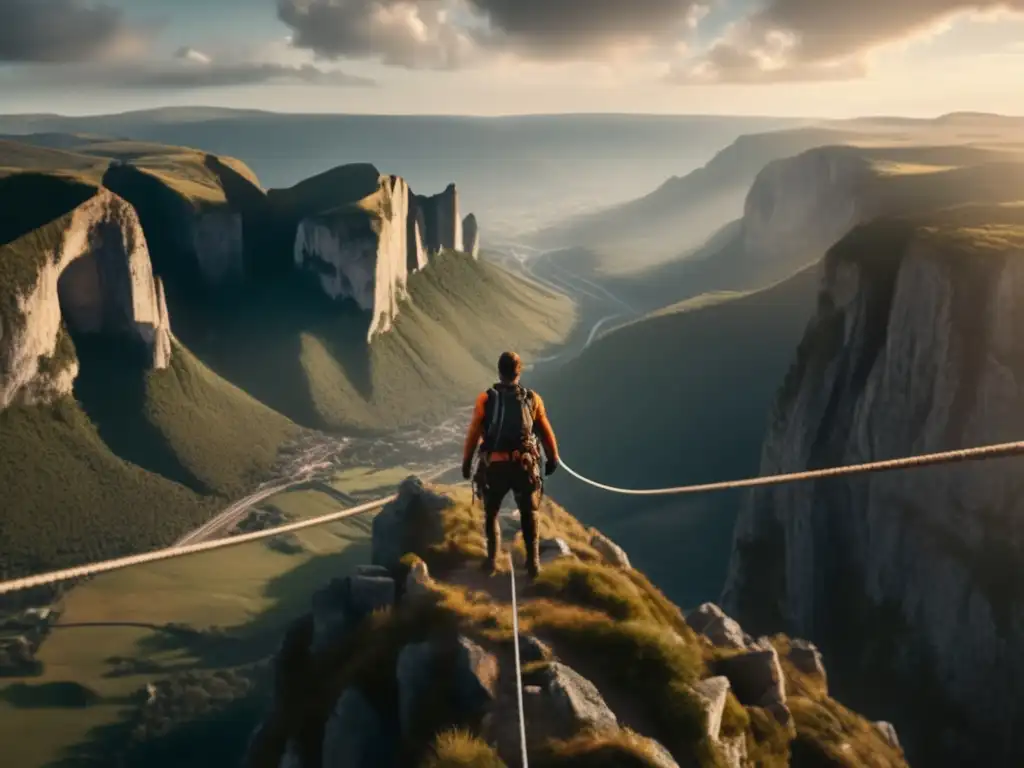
point(97, 278)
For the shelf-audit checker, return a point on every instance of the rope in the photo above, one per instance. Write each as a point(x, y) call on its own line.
point(519, 668)
point(946, 457)
point(92, 569)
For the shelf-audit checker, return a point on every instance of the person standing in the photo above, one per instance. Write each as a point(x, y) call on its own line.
point(507, 421)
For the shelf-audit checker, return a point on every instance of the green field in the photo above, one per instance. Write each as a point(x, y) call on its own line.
point(251, 591)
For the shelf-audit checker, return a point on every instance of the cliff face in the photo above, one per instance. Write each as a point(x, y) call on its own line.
point(471, 236)
point(442, 224)
point(368, 234)
point(218, 245)
point(803, 204)
point(361, 251)
point(198, 242)
point(93, 276)
point(912, 577)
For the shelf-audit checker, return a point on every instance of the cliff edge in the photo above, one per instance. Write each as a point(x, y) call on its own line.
point(88, 272)
point(410, 661)
point(362, 234)
point(911, 579)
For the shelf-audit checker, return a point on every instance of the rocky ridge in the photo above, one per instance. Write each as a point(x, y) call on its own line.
point(909, 578)
point(408, 661)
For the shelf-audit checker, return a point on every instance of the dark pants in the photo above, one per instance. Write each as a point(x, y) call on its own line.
point(500, 478)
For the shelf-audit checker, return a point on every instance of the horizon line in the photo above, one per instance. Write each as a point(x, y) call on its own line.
point(511, 115)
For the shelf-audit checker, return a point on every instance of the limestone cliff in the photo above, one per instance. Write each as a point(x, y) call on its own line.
point(442, 225)
point(363, 233)
point(471, 236)
point(88, 272)
point(361, 251)
point(410, 662)
point(912, 579)
point(800, 206)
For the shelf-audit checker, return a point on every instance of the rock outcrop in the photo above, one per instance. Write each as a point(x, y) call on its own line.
point(910, 579)
point(365, 233)
point(471, 236)
point(92, 276)
point(360, 251)
point(804, 204)
point(442, 225)
point(612, 673)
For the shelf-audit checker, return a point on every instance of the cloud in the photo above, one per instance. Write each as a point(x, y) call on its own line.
point(191, 54)
point(792, 40)
point(193, 69)
point(64, 31)
point(448, 34)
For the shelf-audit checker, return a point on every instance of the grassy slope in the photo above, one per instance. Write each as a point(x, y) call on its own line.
point(679, 397)
point(308, 358)
point(587, 613)
point(135, 462)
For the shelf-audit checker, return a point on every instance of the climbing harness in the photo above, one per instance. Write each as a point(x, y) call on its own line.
point(948, 457)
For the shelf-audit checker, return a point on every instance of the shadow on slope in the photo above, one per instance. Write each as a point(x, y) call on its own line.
point(307, 356)
point(32, 200)
point(679, 397)
point(183, 423)
point(69, 499)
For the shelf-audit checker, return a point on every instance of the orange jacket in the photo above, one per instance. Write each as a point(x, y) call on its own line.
point(540, 421)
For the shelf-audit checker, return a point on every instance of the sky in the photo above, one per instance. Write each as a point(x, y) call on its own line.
point(810, 58)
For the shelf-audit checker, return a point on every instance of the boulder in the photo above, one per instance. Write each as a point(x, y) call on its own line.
point(734, 752)
point(578, 700)
point(658, 756)
point(553, 549)
point(806, 658)
point(612, 553)
point(888, 731)
point(355, 735)
point(413, 519)
point(342, 604)
point(532, 650)
point(723, 631)
point(757, 680)
point(413, 672)
point(475, 677)
point(418, 581)
point(713, 693)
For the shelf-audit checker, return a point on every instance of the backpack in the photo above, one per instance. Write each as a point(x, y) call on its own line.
point(509, 419)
